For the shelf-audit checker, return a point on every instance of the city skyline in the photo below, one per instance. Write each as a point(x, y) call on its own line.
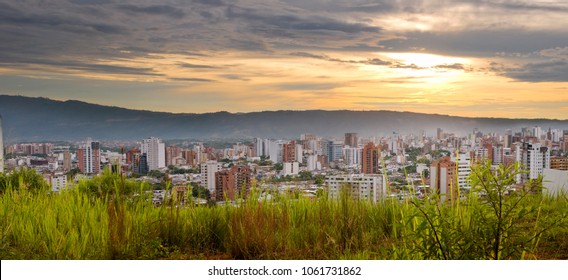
point(461, 58)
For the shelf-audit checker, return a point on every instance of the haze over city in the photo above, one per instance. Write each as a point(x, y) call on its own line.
point(463, 58)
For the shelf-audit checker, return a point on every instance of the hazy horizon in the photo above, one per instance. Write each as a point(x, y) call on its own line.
point(468, 58)
point(280, 110)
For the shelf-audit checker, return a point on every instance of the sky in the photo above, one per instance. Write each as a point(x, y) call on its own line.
point(462, 58)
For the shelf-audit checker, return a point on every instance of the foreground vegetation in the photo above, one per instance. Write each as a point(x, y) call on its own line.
point(110, 217)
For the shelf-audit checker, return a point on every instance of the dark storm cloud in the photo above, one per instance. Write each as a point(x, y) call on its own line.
point(163, 10)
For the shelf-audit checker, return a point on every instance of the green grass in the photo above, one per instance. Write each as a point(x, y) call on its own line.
point(110, 217)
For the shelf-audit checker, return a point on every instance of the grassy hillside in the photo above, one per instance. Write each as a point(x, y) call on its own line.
point(109, 217)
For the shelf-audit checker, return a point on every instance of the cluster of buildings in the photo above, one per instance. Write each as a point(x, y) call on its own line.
point(365, 168)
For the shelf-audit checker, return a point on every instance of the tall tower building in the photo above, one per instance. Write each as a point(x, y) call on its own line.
point(507, 139)
point(89, 157)
point(233, 183)
point(67, 164)
point(370, 159)
point(155, 151)
point(533, 158)
point(443, 179)
point(208, 171)
point(351, 139)
point(289, 152)
point(1, 147)
point(463, 162)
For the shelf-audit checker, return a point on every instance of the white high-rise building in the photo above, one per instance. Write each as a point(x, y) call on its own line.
point(352, 156)
point(358, 186)
point(89, 157)
point(533, 159)
point(290, 168)
point(155, 151)
point(299, 153)
point(1, 147)
point(498, 154)
point(208, 171)
point(312, 161)
point(463, 162)
point(537, 132)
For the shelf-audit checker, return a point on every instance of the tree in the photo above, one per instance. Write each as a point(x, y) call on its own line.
point(23, 178)
point(305, 175)
point(200, 192)
point(489, 223)
point(319, 180)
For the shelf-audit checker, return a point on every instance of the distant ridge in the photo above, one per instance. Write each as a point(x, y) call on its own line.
point(42, 119)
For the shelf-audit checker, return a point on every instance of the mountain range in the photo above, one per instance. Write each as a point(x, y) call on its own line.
point(42, 119)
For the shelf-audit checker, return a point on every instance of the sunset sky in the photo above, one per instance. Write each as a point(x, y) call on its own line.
point(464, 58)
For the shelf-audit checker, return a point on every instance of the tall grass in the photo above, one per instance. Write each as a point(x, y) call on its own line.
point(112, 218)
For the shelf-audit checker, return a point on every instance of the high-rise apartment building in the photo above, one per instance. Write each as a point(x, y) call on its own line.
point(89, 157)
point(351, 139)
point(172, 153)
point(352, 156)
point(208, 171)
point(507, 139)
point(443, 178)
point(533, 158)
point(463, 162)
point(289, 152)
point(190, 157)
point(370, 159)
point(155, 151)
point(233, 183)
point(333, 150)
point(67, 163)
point(559, 163)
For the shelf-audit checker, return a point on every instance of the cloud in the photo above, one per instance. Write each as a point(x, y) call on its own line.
point(210, 2)
point(550, 71)
point(555, 53)
point(293, 22)
point(454, 66)
point(91, 2)
point(307, 86)
point(234, 77)
point(376, 61)
point(195, 66)
point(11, 16)
point(477, 43)
point(192, 80)
point(370, 61)
point(163, 10)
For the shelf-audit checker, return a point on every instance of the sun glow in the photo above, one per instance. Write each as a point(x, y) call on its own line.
point(426, 60)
